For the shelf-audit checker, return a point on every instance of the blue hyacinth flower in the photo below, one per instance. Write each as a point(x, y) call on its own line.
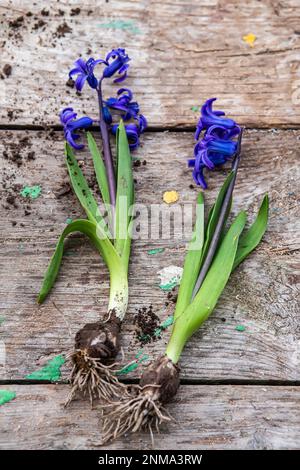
point(85, 72)
point(128, 110)
point(209, 118)
point(133, 132)
point(216, 146)
point(119, 64)
point(71, 125)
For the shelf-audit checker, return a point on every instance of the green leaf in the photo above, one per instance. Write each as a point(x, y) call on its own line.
point(82, 190)
point(125, 191)
point(192, 261)
point(213, 216)
point(206, 299)
point(251, 238)
point(99, 239)
point(100, 169)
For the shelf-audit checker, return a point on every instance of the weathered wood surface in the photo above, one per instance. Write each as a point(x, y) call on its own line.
point(183, 52)
point(261, 295)
point(208, 417)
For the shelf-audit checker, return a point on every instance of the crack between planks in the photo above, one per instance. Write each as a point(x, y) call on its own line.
point(229, 382)
point(153, 129)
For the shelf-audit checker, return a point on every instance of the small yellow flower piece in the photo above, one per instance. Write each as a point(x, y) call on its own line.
point(250, 39)
point(170, 196)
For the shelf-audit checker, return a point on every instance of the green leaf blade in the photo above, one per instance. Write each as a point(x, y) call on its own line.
point(125, 192)
point(206, 299)
point(82, 189)
point(99, 239)
point(192, 261)
point(251, 238)
point(100, 169)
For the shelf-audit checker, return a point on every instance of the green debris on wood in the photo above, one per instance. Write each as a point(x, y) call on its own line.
point(164, 325)
point(69, 220)
point(6, 396)
point(139, 353)
point(2, 319)
point(169, 286)
point(134, 365)
point(155, 251)
point(51, 371)
point(195, 109)
point(31, 191)
point(121, 25)
point(170, 277)
point(240, 328)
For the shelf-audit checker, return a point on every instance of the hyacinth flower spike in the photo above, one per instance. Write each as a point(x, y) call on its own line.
point(217, 250)
point(97, 344)
point(216, 146)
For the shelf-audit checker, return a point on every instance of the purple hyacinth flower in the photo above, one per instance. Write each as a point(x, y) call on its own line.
point(142, 123)
point(133, 133)
point(210, 118)
point(71, 124)
point(85, 72)
point(118, 64)
point(128, 110)
point(210, 152)
point(222, 132)
point(216, 146)
point(123, 103)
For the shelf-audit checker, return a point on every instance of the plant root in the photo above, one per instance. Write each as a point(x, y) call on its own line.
point(144, 408)
point(136, 413)
point(94, 369)
point(92, 378)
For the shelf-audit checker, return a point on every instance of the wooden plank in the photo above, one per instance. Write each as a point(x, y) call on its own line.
point(261, 295)
point(208, 417)
point(183, 53)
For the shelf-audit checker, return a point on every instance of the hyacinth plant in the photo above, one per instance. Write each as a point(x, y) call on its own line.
point(108, 226)
point(213, 254)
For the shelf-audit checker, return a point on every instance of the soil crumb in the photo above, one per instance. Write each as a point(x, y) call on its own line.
point(62, 30)
point(147, 324)
point(7, 70)
point(75, 11)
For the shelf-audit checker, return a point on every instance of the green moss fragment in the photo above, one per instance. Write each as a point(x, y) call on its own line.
point(164, 325)
point(134, 365)
point(31, 191)
point(240, 328)
point(170, 285)
point(122, 25)
point(6, 396)
point(51, 371)
point(155, 251)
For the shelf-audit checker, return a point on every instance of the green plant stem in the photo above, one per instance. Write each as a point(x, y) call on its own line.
point(107, 150)
point(118, 295)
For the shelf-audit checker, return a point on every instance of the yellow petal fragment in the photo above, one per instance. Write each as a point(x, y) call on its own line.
point(170, 196)
point(250, 39)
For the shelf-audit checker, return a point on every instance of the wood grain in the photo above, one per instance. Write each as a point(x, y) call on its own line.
point(261, 295)
point(208, 417)
point(183, 53)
